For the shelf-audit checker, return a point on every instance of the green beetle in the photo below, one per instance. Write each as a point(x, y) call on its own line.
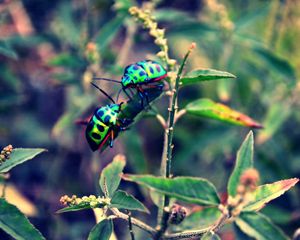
point(104, 125)
point(141, 74)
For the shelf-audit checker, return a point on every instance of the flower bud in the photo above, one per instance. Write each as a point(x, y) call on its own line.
point(250, 178)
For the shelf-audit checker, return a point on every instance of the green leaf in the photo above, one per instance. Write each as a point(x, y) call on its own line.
point(16, 224)
point(244, 160)
point(66, 60)
point(171, 15)
point(278, 215)
point(251, 18)
point(201, 75)
point(276, 115)
point(109, 30)
point(111, 176)
point(265, 193)
point(278, 65)
point(6, 50)
point(259, 227)
point(200, 219)
point(209, 109)
point(210, 236)
point(102, 230)
point(123, 200)
point(240, 235)
point(18, 156)
point(188, 189)
point(75, 208)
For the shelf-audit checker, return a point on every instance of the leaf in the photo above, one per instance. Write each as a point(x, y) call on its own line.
point(200, 219)
point(74, 208)
point(265, 193)
point(109, 30)
point(201, 75)
point(276, 115)
point(66, 60)
point(102, 230)
point(18, 156)
point(110, 177)
point(16, 198)
point(188, 189)
point(210, 236)
point(123, 200)
point(259, 227)
point(278, 65)
point(251, 18)
point(171, 15)
point(239, 234)
point(244, 160)
point(6, 50)
point(278, 215)
point(13, 222)
point(207, 108)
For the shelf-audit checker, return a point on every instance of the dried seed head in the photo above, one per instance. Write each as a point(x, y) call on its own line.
point(177, 214)
point(5, 153)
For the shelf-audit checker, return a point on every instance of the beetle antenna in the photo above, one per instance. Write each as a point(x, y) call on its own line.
point(109, 97)
point(118, 95)
point(106, 79)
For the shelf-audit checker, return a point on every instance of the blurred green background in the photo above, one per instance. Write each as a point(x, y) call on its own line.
point(50, 49)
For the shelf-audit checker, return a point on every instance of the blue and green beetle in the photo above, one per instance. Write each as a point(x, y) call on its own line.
point(104, 125)
point(140, 74)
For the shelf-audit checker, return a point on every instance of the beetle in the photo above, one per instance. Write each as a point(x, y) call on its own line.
point(141, 74)
point(104, 125)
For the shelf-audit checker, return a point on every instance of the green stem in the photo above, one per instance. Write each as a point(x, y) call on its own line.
point(168, 147)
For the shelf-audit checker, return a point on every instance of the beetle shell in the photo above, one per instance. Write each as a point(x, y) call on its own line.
point(142, 72)
point(101, 124)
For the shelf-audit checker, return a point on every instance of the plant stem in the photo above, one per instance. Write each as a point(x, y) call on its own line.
point(134, 221)
point(166, 164)
point(186, 234)
point(130, 226)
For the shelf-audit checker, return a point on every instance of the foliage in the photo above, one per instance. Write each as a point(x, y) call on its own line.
point(50, 54)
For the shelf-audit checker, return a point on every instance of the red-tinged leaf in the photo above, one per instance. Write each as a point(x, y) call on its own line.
point(266, 193)
point(210, 109)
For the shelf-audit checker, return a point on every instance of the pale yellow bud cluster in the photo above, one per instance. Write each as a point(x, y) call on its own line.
point(92, 201)
point(149, 22)
point(5, 153)
point(222, 14)
point(248, 184)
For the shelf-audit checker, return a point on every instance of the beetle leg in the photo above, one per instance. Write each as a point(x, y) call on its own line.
point(130, 98)
point(141, 97)
point(112, 139)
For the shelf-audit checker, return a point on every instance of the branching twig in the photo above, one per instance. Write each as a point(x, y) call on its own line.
point(168, 144)
point(130, 226)
point(186, 234)
point(134, 221)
